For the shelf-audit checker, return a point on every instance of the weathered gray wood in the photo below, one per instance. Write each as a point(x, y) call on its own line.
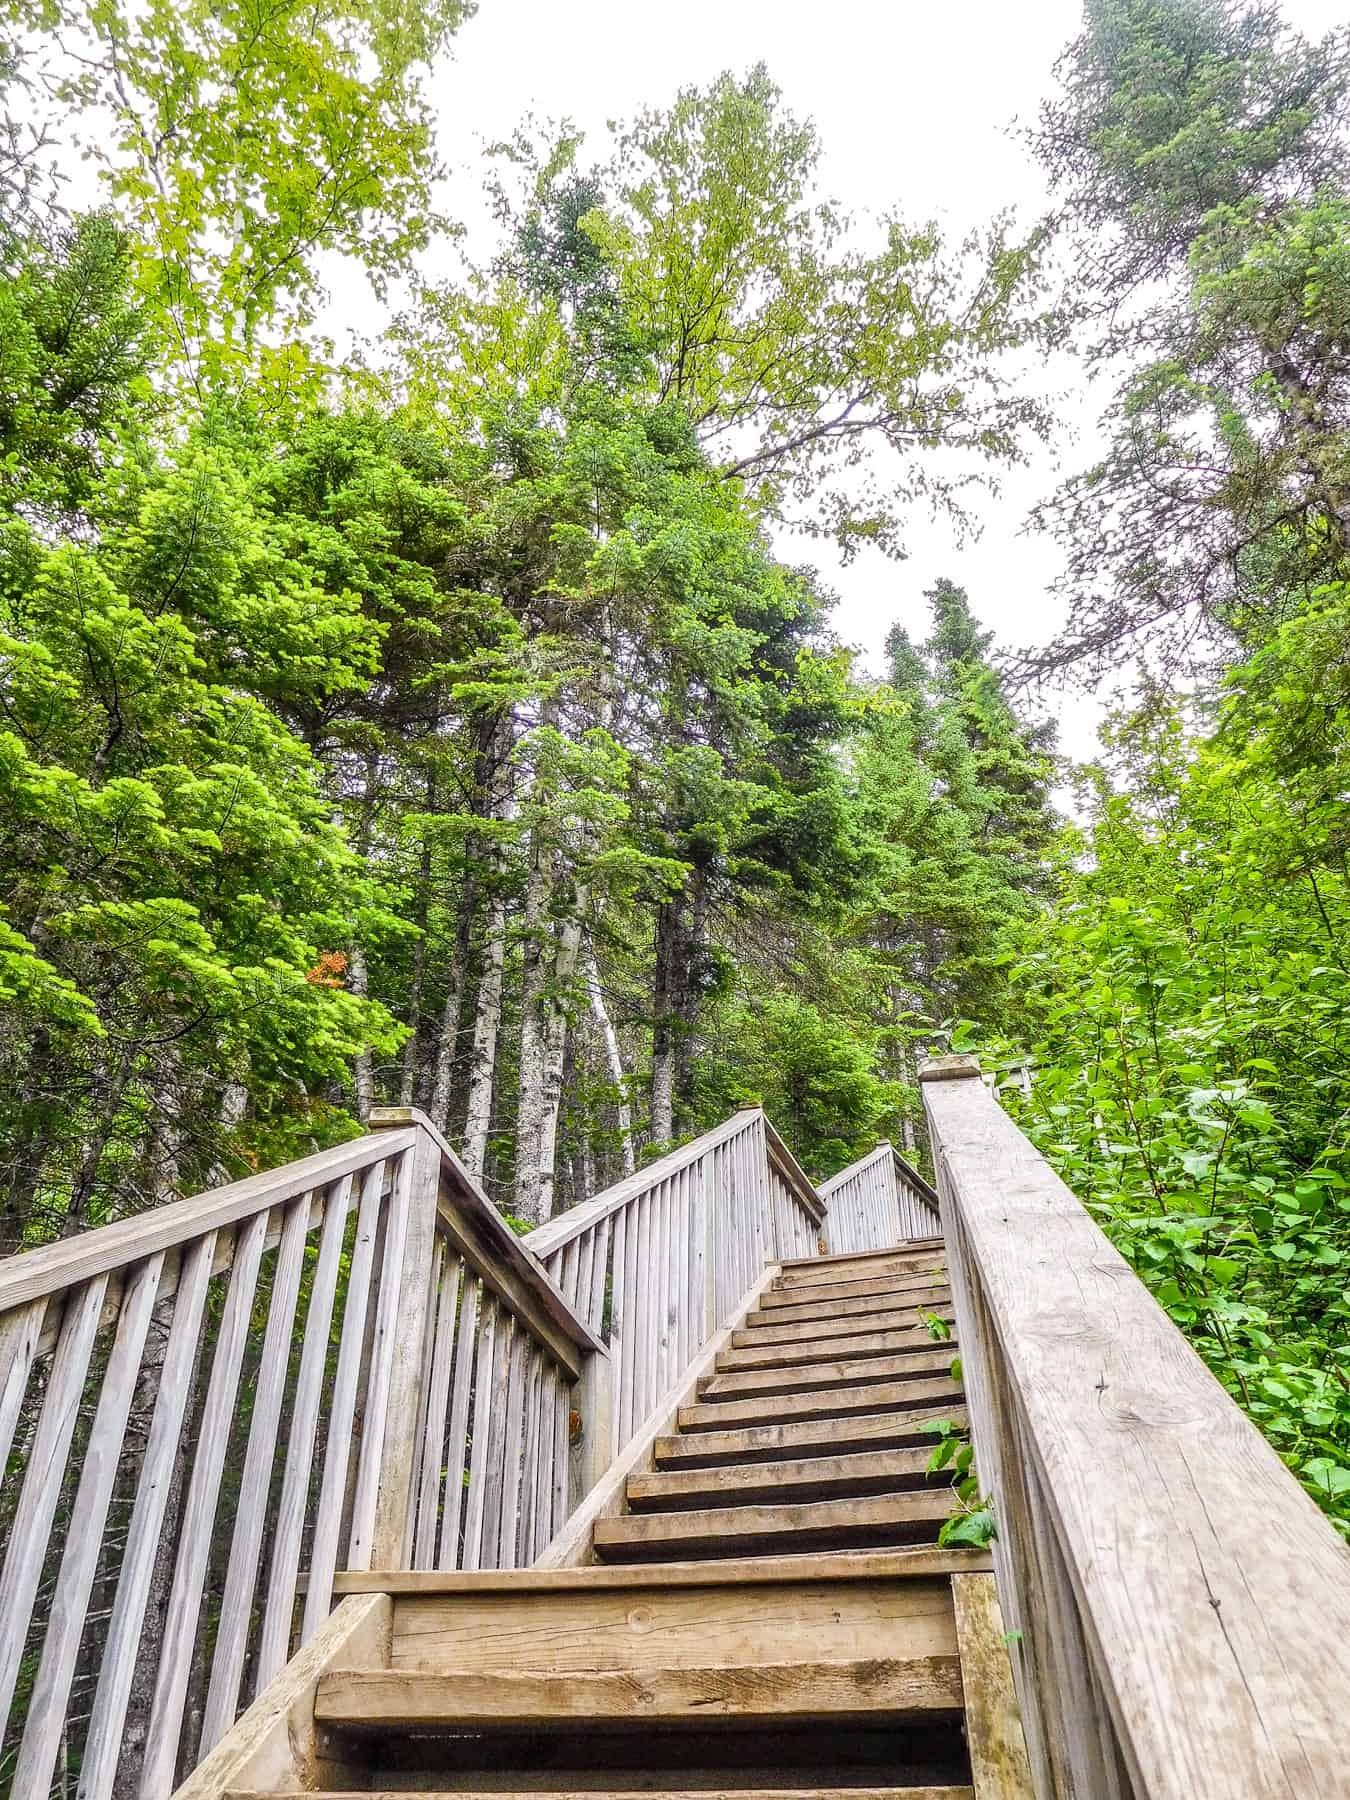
point(388, 1324)
point(558, 1471)
point(993, 1723)
point(807, 1437)
point(1148, 1530)
point(199, 1515)
point(441, 1362)
point(829, 1403)
point(490, 1322)
point(495, 1473)
point(57, 1267)
point(818, 1478)
point(342, 1407)
point(529, 1460)
point(457, 1444)
point(274, 1643)
point(250, 1518)
point(103, 1743)
point(46, 1719)
point(811, 1344)
point(810, 1524)
point(917, 1359)
point(42, 1478)
point(461, 1699)
point(521, 1350)
point(628, 1373)
point(19, 1334)
point(766, 1330)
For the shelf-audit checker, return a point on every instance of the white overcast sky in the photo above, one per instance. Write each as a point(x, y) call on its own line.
point(912, 103)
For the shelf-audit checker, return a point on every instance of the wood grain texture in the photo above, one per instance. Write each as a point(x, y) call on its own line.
point(818, 1477)
point(766, 1330)
point(810, 1524)
point(1152, 1540)
point(998, 1751)
point(464, 1700)
point(806, 1437)
point(824, 1293)
point(833, 1403)
point(737, 1623)
point(756, 1352)
point(918, 1359)
point(649, 1791)
point(904, 1293)
point(901, 1561)
point(829, 1271)
point(275, 1746)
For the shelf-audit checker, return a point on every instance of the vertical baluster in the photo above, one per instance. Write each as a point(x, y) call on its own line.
point(457, 1449)
point(563, 1407)
point(274, 1645)
point(438, 1399)
point(701, 1325)
point(69, 1605)
point(581, 1304)
point(685, 1340)
point(199, 1514)
point(241, 1573)
point(494, 1486)
point(620, 1337)
point(482, 1413)
point(342, 1408)
point(662, 1292)
point(651, 1300)
point(20, 1331)
point(529, 1459)
point(387, 1326)
point(43, 1477)
point(543, 1474)
point(98, 1765)
point(521, 1350)
point(568, 1279)
point(595, 1305)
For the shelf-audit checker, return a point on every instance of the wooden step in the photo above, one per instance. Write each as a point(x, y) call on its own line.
point(937, 1391)
point(820, 1293)
point(759, 1355)
point(811, 1525)
point(891, 1299)
point(805, 1437)
point(830, 1326)
point(803, 1478)
point(846, 1258)
point(827, 1269)
point(814, 1377)
point(731, 1616)
point(628, 1793)
point(649, 1792)
point(463, 1700)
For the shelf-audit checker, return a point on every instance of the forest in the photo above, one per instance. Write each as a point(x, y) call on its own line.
point(442, 724)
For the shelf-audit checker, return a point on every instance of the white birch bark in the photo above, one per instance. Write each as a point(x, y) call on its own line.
point(609, 1037)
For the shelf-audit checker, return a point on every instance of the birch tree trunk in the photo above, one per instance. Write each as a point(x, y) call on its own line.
point(556, 1021)
point(486, 1028)
point(609, 1037)
point(363, 1067)
point(533, 1035)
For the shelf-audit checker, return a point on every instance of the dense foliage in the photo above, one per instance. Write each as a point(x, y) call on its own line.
point(449, 729)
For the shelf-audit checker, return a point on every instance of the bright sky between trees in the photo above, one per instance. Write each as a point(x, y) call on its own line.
point(913, 105)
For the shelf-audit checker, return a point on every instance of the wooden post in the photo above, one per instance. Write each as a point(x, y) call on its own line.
point(391, 1539)
point(592, 1452)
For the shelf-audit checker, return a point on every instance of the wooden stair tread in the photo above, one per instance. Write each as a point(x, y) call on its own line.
point(761, 1353)
point(863, 1288)
point(789, 1310)
point(772, 1409)
point(818, 1523)
point(461, 1700)
point(832, 1326)
point(926, 1792)
point(844, 1258)
point(791, 1378)
point(826, 1270)
point(805, 1437)
point(823, 1477)
point(594, 1793)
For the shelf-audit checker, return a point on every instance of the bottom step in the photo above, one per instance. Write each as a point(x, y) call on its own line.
point(644, 1793)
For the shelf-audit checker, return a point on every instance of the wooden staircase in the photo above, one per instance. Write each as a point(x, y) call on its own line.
point(761, 1609)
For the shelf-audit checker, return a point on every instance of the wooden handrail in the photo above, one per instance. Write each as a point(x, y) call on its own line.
point(1183, 1607)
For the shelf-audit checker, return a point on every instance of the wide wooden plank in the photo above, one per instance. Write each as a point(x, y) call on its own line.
point(878, 1265)
point(899, 1296)
point(735, 1623)
point(998, 1751)
point(805, 1437)
point(839, 1329)
point(831, 1403)
point(651, 1790)
point(865, 1288)
point(811, 1524)
point(915, 1245)
point(755, 1350)
point(918, 1358)
point(901, 1560)
point(465, 1700)
point(809, 1477)
point(1151, 1537)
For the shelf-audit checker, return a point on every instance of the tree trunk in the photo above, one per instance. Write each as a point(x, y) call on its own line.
point(487, 1024)
point(533, 1033)
point(556, 1021)
point(664, 1027)
point(609, 1037)
point(363, 1069)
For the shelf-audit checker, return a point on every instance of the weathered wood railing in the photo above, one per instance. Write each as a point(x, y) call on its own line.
point(1180, 1608)
point(350, 1362)
point(880, 1199)
point(671, 1250)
